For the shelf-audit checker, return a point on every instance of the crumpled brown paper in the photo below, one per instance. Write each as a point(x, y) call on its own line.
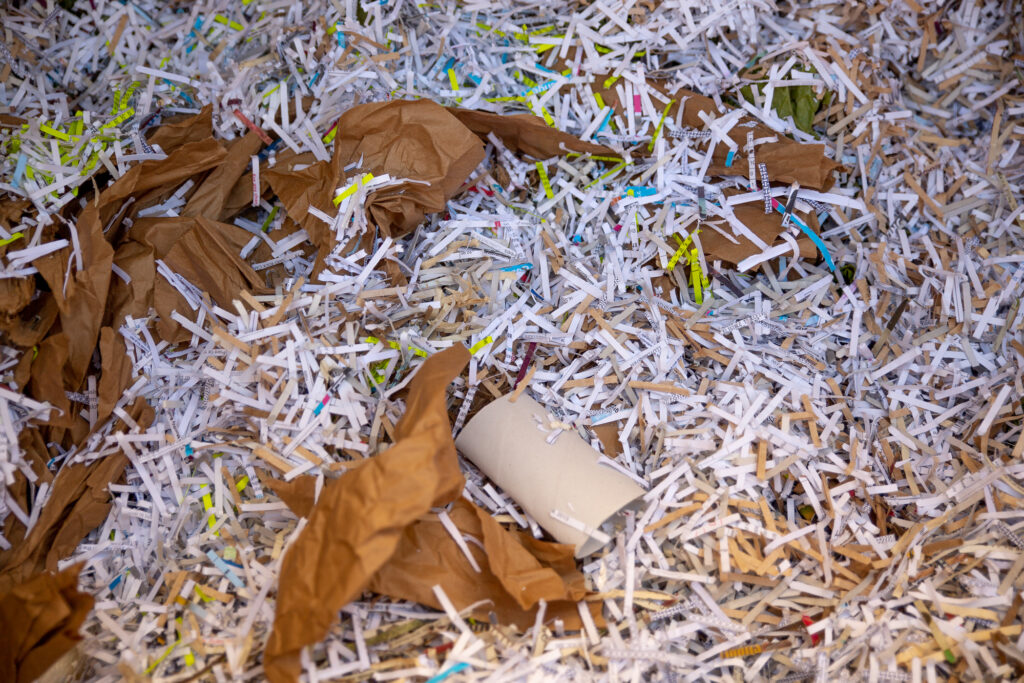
point(78, 503)
point(527, 134)
point(299, 494)
point(357, 523)
point(206, 254)
point(434, 148)
point(76, 318)
point(371, 529)
point(181, 130)
point(517, 570)
point(39, 622)
point(15, 293)
point(766, 226)
point(299, 190)
point(787, 160)
point(416, 139)
point(83, 302)
point(78, 314)
point(210, 197)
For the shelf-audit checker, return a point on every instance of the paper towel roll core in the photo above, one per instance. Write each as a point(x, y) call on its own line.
point(552, 482)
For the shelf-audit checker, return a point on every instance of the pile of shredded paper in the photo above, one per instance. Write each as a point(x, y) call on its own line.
point(261, 260)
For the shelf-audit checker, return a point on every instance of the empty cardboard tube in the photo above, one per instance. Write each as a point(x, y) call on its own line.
point(561, 485)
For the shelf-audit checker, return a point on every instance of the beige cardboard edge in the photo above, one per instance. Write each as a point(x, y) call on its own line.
point(506, 441)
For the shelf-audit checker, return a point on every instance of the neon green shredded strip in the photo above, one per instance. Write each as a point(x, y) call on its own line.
point(610, 81)
point(657, 131)
point(696, 275)
point(121, 118)
point(221, 19)
point(481, 344)
point(169, 650)
point(485, 27)
point(93, 160)
point(681, 250)
point(544, 180)
point(547, 117)
point(351, 189)
point(379, 371)
point(269, 219)
point(346, 193)
point(525, 79)
point(121, 99)
point(617, 168)
point(55, 133)
point(454, 81)
point(675, 257)
point(395, 345)
point(211, 521)
point(10, 239)
point(128, 94)
point(242, 483)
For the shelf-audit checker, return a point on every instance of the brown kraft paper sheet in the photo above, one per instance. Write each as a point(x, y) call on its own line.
point(517, 570)
point(357, 523)
point(39, 622)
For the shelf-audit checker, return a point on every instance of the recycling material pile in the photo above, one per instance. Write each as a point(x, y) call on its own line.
point(260, 260)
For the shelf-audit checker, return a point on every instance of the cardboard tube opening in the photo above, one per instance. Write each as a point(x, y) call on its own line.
point(561, 485)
